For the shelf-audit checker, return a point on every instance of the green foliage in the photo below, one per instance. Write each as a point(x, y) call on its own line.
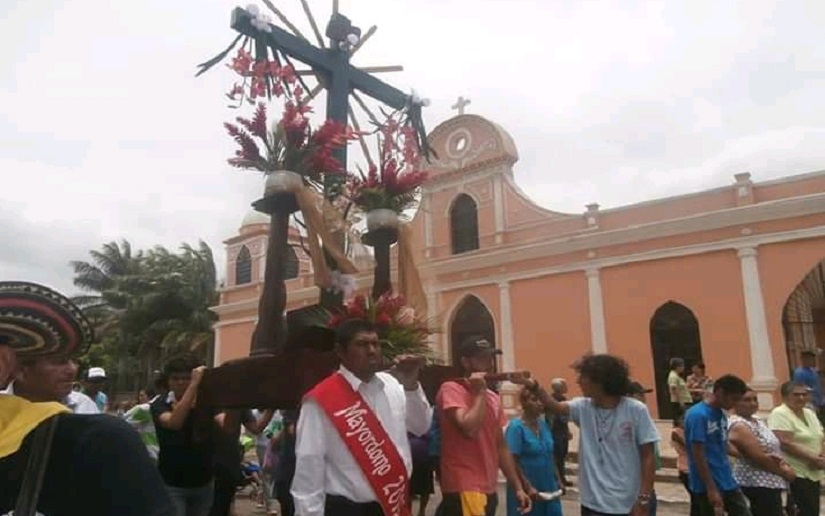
point(146, 307)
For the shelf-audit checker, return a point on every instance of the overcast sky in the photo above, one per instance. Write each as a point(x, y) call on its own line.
point(106, 134)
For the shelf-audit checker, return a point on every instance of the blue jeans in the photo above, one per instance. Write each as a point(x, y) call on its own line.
point(191, 501)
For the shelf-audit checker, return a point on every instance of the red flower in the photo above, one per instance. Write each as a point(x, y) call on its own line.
point(393, 183)
point(249, 156)
point(382, 320)
point(257, 126)
point(241, 62)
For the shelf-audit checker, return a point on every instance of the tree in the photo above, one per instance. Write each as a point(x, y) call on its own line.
point(147, 307)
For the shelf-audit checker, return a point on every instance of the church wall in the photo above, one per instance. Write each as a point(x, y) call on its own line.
point(235, 338)
point(710, 285)
point(551, 325)
point(782, 267)
point(239, 293)
point(665, 209)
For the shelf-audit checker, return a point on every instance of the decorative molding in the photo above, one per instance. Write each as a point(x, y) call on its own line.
point(743, 215)
point(481, 191)
point(442, 182)
point(230, 322)
point(658, 254)
point(460, 159)
point(498, 205)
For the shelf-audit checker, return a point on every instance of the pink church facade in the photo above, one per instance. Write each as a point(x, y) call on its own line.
point(731, 276)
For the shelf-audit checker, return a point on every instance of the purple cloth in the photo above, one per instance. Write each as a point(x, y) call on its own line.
point(419, 448)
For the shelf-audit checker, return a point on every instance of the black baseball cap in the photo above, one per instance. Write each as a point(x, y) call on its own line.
point(477, 345)
point(637, 388)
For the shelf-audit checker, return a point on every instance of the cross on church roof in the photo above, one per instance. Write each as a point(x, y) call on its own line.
point(460, 104)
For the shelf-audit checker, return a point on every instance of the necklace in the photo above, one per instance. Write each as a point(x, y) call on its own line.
point(604, 419)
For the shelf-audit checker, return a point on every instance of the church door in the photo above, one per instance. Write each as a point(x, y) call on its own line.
point(674, 333)
point(471, 318)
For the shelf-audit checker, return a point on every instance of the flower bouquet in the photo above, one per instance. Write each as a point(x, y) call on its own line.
point(394, 183)
point(290, 144)
point(397, 323)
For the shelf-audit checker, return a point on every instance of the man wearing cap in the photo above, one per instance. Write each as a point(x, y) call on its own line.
point(93, 385)
point(52, 462)
point(472, 441)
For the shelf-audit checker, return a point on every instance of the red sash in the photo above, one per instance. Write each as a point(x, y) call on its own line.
point(367, 441)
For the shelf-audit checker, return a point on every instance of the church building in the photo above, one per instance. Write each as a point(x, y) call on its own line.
point(733, 277)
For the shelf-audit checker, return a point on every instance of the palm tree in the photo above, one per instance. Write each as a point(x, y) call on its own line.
point(149, 305)
point(103, 301)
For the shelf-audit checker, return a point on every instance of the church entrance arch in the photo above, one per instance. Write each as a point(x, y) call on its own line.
point(674, 333)
point(803, 317)
point(470, 318)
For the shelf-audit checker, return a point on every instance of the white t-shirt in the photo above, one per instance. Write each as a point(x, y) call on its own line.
point(609, 463)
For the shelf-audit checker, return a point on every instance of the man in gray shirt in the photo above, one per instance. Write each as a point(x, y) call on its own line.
point(616, 457)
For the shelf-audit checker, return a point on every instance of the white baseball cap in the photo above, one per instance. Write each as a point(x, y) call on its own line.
point(96, 372)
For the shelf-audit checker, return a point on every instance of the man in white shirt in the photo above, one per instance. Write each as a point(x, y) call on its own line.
point(50, 378)
point(368, 474)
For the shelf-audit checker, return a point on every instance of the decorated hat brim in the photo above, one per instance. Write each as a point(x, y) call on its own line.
point(35, 320)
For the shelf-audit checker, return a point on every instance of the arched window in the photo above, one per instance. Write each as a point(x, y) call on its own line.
point(243, 267)
point(471, 318)
point(293, 266)
point(464, 224)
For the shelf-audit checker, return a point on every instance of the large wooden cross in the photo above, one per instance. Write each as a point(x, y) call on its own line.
point(331, 64)
point(276, 374)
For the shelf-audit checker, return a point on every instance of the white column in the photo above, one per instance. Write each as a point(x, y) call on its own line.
point(426, 205)
point(433, 315)
point(508, 391)
point(764, 376)
point(498, 209)
point(216, 358)
point(506, 325)
point(594, 294)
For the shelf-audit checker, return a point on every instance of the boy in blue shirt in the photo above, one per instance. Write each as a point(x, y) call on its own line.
point(711, 482)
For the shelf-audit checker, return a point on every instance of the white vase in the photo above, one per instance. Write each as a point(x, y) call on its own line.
point(382, 218)
point(282, 181)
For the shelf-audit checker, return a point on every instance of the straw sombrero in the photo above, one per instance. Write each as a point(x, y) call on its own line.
point(36, 320)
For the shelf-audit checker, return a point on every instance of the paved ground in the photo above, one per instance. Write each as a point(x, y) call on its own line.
point(569, 504)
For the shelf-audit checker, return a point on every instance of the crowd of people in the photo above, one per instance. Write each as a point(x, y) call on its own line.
point(367, 441)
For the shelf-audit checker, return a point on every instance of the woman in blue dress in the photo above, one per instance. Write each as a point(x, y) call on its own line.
point(531, 444)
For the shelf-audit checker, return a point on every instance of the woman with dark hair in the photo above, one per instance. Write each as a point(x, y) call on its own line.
point(617, 436)
point(761, 477)
point(531, 443)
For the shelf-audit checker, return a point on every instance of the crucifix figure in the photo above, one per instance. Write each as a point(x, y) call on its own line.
point(460, 104)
